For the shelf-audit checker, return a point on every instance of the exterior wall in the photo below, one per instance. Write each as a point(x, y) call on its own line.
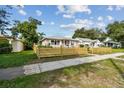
point(113, 45)
point(17, 46)
point(86, 44)
point(45, 42)
point(98, 44)
point(94, 44)
point(72, 43)
point(64, 43)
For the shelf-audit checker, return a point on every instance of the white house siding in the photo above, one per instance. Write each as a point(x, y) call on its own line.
point(59, 43)
point(89, 42)
point(46, 42)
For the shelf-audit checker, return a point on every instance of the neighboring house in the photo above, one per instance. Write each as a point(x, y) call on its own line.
point(17, 45)
point(108, 42)
point(59, 41)
point(86, 42)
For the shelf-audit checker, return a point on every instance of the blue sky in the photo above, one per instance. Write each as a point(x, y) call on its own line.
point(63, 20)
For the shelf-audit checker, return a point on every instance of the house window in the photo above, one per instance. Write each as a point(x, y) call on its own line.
point(55, 42)
point(67, 43)
point(72, 43)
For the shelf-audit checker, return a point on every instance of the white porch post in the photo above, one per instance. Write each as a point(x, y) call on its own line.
point(106, 44)
point(60, 43)
point(70, 43)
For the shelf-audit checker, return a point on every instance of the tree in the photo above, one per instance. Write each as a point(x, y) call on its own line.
point(4, 22)
point(40, 35)
point(115, 30)
point(27, 31)
point(14, 29)
point(93, 33)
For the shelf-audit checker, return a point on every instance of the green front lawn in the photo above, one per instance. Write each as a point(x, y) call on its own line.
point(16, 59)
point(106, 73)
point(28, 57)
point(117, 50)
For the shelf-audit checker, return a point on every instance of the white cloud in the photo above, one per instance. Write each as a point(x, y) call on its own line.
point(43, 22)
point(72, 9)
point(18, 6)
point(84, 22)
point(21, 6)
point(68, 16)
point(20, 9)
point(79, 23)
point(22, 12)
point(100, 25)
point(61, 8)
point(70, 26)
point(38, 12)
point(119, 7)
point(110, 18)
point(100, 18)
point(110, 8)
point(52, 23)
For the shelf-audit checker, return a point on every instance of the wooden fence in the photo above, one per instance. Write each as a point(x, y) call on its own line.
point(50, 52)
point(101, 50)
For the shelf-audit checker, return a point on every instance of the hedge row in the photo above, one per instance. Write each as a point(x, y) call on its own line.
point(5, 50)
point(5, 47)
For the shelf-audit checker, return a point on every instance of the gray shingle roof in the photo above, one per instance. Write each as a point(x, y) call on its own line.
point(59, 38)
point(86, 39)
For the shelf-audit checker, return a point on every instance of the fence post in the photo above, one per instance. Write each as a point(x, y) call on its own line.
point(61, 51)
point(38, 52)
point(92, 50)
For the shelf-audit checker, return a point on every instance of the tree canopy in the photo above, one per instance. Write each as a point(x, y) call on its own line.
point(4, 22)
point(93, 33)
point(115, 30)
point(27, 31)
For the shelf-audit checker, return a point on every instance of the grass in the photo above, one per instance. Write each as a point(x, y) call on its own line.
point(121, 56)
point(27, 57)
point(16, 59)
point(117, 50)
point(106, 73)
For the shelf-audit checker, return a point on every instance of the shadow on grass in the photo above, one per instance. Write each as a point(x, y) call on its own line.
point(57, 58)
point(117, 68)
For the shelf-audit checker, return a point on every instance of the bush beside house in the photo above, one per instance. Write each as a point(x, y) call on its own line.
point(5, 47)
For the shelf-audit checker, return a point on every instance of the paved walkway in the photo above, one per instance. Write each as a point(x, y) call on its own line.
point(11, 73)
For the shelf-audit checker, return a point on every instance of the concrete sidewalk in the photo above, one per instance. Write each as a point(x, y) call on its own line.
point(11, 73)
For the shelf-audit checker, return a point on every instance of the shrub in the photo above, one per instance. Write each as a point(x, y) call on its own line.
point(4, 43)
point(81, 45)
point(5, 50)
point(5, 47)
